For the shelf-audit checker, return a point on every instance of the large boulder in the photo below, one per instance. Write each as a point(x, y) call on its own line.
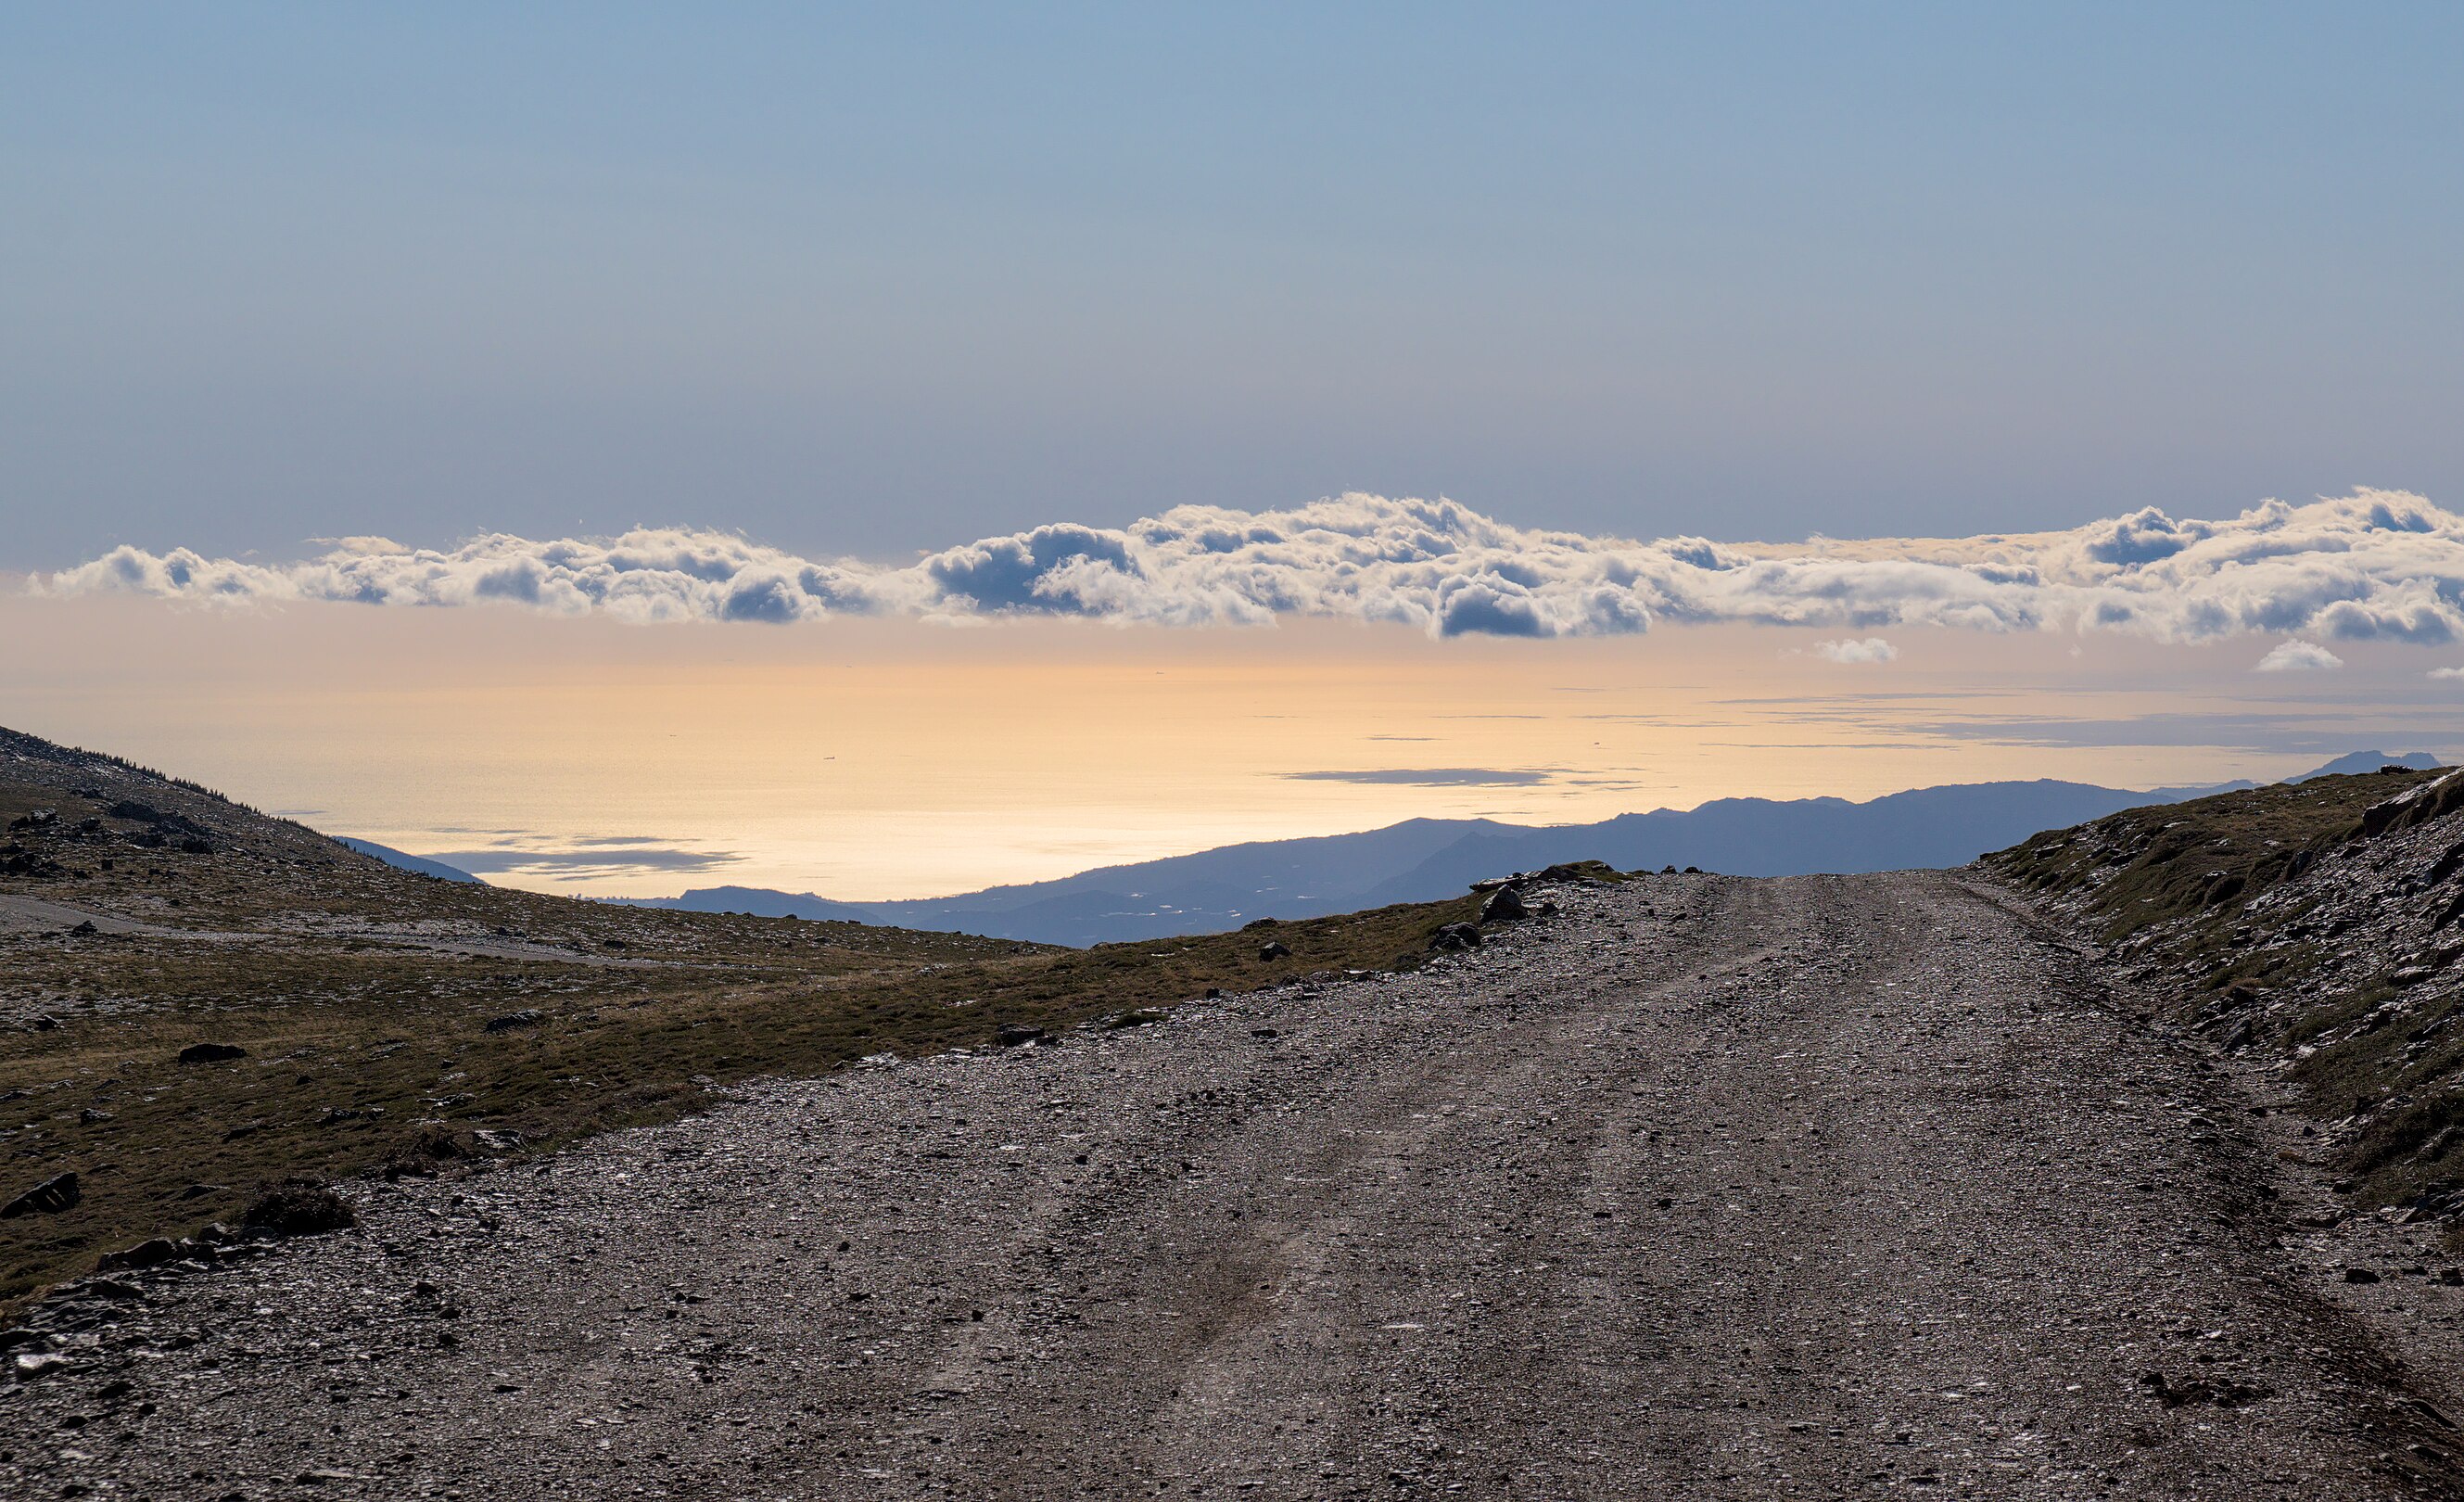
point(2419, 804)
point(48, 1198)
point(151, 1253)
point(1455, 936)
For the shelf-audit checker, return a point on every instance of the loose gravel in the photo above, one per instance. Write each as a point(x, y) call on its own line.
point(1702, 1188)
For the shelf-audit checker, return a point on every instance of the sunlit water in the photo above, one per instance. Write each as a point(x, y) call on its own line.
point(869, 759)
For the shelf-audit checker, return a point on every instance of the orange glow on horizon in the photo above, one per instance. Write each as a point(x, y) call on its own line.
point(877, 760)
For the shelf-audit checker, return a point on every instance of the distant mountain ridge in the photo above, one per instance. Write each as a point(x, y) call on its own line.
point(399, 861)
point(1423, 859)
point(2362, 763)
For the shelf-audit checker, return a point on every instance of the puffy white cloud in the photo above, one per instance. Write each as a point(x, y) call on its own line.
point(2375, 565)
point(1872, 649)
point(2299, 657)
point(646, 575)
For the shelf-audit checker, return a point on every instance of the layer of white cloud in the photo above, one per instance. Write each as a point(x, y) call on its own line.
point(2298, 657)
point(1872, 649)
point(2376, 564)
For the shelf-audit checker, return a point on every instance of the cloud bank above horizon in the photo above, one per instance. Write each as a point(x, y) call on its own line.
point(2371, 565)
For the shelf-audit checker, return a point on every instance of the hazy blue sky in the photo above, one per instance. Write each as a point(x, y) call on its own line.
point(885, 279)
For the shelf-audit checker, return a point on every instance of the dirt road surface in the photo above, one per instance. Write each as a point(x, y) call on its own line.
point(36, 915)
point(1704, 1188)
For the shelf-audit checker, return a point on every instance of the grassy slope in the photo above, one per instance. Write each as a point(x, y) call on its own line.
point(2276, 919)
point(367, 1052)
point(2165, 864)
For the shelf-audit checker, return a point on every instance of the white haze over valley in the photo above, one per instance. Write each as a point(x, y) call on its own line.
point(2371, 565)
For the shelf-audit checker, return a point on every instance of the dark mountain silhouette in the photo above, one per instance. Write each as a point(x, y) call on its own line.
point(2363, 763)
point(399, 861)
point(1423, 859)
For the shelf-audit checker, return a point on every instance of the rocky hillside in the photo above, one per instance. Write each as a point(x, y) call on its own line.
point(2313, 929)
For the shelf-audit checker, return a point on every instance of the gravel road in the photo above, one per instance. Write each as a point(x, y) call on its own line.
point(18, 913)
point(1704, 1188)
point(23, 915)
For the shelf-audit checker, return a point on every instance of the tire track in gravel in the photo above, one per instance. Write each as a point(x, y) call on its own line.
point(1274, 1301)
